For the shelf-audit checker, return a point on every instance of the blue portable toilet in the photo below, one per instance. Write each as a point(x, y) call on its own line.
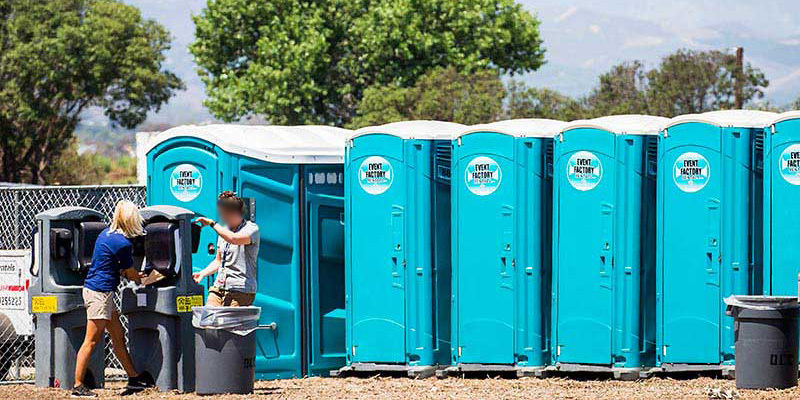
point(398, 247)
point(502, 205)
point(708, 194)
point(781, 202)
point(604, 245)
point(292, 181)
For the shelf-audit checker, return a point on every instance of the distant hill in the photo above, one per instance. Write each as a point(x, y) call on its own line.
point(584, 38)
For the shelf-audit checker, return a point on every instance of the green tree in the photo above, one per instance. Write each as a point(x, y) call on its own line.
point(685, 82)
point(690, 81)
point(304, 61)
point(71, 168)
point(59, 58)
point(442, 94)
point(622, 90)
point(527, 102)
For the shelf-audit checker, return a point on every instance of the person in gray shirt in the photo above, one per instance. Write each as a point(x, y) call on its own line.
point(237, 255)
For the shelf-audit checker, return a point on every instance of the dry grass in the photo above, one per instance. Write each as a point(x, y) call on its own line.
point(452, 388)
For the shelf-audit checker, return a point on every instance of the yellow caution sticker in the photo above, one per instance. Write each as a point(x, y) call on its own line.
point(186, 303)
point(44, 304)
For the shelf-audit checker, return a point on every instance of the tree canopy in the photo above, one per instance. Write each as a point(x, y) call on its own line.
point(442, 94)
point(309, 62)
point(685, 82)
point(58, 59)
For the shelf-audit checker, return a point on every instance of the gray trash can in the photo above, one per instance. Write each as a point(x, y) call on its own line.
point(225, 349)
point(766, 341)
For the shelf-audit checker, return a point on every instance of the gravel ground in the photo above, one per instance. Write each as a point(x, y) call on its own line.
point(453, 388)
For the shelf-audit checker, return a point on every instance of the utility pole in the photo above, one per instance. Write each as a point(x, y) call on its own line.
point(738, 100)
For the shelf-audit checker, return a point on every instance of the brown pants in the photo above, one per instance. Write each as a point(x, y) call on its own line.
point(227, 298)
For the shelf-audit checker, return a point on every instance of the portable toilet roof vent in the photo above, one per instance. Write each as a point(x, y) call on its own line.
point(312, 144)
point(727, 118)
point(632, 124)
point(428, 130)
point(528, 127)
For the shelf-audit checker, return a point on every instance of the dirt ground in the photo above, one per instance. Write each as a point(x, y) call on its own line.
point(453, 388)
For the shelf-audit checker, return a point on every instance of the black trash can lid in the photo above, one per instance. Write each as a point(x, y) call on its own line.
point(764, 303)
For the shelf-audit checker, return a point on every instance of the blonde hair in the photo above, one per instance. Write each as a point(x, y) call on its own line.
point(127, 220)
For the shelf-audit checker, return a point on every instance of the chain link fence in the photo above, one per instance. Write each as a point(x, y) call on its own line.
point(18, 208)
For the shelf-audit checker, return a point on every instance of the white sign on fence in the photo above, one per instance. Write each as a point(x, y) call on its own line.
point(15, 280)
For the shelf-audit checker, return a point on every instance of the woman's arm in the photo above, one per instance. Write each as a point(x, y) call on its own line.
point(132, 275)
point(126, 268)
point(212, 268)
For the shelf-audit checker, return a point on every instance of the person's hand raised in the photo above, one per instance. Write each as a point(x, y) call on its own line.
point(203, 221)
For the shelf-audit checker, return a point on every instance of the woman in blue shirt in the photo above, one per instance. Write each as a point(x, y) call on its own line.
point(112, 257)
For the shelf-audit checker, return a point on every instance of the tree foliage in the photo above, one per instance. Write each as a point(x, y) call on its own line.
point(307, 61)
point(529, 102)
point(442, 94)
point(685, 82)
point(59, 58)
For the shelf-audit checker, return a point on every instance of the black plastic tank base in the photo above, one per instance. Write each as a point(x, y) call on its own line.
point(766, 335)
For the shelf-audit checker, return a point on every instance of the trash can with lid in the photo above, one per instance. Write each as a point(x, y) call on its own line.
point(766, 340)
point(225, 348)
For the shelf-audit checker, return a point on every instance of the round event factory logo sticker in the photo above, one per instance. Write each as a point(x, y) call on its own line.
point(483, 176)
point(691, 172)
point(584, 170)
point(789, 164)
point(375, 175)
point(185, 182)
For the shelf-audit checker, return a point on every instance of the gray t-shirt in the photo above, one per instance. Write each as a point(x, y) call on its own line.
point(238, 271)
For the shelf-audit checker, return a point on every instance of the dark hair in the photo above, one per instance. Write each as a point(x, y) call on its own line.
point(228, 200)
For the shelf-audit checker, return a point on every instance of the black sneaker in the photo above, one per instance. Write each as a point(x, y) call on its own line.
point(143, 381)
point(83, 391)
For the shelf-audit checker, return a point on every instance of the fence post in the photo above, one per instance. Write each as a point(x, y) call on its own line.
point(17, 219)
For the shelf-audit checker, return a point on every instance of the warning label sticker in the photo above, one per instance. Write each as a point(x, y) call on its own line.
point(44, 304)
point(375, 175)
point(483, 175)
point(584, 170)
point(186, 303)
point(185, 182)
point(691, 172)
point(789, 164)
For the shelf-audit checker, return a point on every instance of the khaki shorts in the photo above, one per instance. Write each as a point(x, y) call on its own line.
point(227, 298)
point(99, 305)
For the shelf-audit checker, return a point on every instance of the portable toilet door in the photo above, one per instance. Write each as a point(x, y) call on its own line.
point(188, 170)
point(705, 223)
point(501, 199)
point(397, 244)
point(291, 179)
point(781, 205)
point(603, 244)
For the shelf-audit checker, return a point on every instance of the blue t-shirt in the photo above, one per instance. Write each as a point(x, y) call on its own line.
point(113, 252)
